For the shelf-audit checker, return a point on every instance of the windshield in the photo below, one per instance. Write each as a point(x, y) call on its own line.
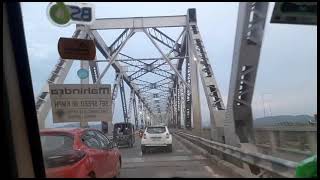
point(199, 79)
point(156, 130)
point(122, 129)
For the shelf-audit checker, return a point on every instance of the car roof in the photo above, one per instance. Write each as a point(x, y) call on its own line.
point(123, 123)
point(156, 126)
point(72, 131)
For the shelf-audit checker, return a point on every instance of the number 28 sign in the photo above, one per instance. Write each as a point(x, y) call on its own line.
point(63, 14)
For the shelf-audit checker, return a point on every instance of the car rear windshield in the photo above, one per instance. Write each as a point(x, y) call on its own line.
point(156, 130)
point(52, 143)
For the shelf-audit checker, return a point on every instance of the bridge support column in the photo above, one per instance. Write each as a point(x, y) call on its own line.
point(84, 65)
point(196, 111)
point(273, 136)
point(312, 141)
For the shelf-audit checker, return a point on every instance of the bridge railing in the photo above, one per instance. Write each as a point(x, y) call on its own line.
point(273, 165)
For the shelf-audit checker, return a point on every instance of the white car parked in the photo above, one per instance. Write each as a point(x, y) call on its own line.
point(156, 136)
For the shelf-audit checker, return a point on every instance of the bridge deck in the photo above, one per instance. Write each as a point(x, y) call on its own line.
point(181, 162)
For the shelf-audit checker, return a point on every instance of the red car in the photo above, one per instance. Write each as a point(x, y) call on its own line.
point(78, 153)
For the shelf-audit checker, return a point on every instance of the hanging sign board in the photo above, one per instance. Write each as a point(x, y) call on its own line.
point(76, 49)
point(81, 102)
point(295, 13)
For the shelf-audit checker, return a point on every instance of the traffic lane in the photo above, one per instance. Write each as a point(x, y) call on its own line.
point(178, 149)
point(181, 162)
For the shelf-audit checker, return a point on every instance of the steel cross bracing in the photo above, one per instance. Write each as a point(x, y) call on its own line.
point(175, 83)
point(105, 51)
point(146, 65)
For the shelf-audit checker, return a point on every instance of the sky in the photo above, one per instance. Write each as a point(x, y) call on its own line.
point(286, 82)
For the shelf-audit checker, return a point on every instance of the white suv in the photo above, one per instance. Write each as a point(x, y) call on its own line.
point(156, 136)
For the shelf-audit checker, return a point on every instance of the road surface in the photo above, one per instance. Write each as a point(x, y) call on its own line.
point(181, 162)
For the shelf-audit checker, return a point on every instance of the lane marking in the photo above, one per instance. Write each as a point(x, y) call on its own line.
point(211, 171)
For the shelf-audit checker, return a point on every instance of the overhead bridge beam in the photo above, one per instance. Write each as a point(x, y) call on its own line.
point(139, 22)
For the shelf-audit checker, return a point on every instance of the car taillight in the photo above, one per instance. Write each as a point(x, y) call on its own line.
point(144, 136)
point(63, 158)
point(167, 136)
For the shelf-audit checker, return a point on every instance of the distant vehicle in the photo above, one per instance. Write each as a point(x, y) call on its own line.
point(156, 136)
point(79, 153)
point(124, 134)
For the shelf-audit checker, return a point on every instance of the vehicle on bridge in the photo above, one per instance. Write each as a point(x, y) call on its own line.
point(79, 153)
point(156, 137)
point(124, 134)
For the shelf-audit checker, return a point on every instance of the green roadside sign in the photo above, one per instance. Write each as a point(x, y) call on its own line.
point(60, 13)
point(65, 13)
point(304, 13)
point(307, 168)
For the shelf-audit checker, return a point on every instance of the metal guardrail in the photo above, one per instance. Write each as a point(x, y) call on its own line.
point(288, 128)
point(274, 165)
point(299, 152)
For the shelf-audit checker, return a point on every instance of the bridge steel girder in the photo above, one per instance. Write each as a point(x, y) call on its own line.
point(115, 88)
point(85, 65)
point(130, 104)
point(211, 90)
point(178, 99)
point(138, 22)
point(135, 111)
point(188, 96)
point(195, 91)
point(124, 102)
point(238, 123)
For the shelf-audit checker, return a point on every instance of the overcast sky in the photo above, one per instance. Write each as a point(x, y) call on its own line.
point(287, 74)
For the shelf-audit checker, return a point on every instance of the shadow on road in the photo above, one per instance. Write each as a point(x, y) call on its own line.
point(156, 151)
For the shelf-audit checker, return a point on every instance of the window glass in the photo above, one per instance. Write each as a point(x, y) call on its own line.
point(56, 143)
point(104, 141)
point(90, 140)
point(156, 130)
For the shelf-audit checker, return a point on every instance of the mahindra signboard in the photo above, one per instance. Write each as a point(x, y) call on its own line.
point(81, 102)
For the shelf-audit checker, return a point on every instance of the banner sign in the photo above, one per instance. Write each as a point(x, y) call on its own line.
point(81, 102)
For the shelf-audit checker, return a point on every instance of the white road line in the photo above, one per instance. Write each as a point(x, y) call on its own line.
point(211, 171)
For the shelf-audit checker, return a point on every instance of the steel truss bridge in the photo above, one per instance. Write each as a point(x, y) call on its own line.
point(173, 96)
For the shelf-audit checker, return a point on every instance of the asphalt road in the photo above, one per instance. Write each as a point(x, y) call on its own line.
point(181, 162)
